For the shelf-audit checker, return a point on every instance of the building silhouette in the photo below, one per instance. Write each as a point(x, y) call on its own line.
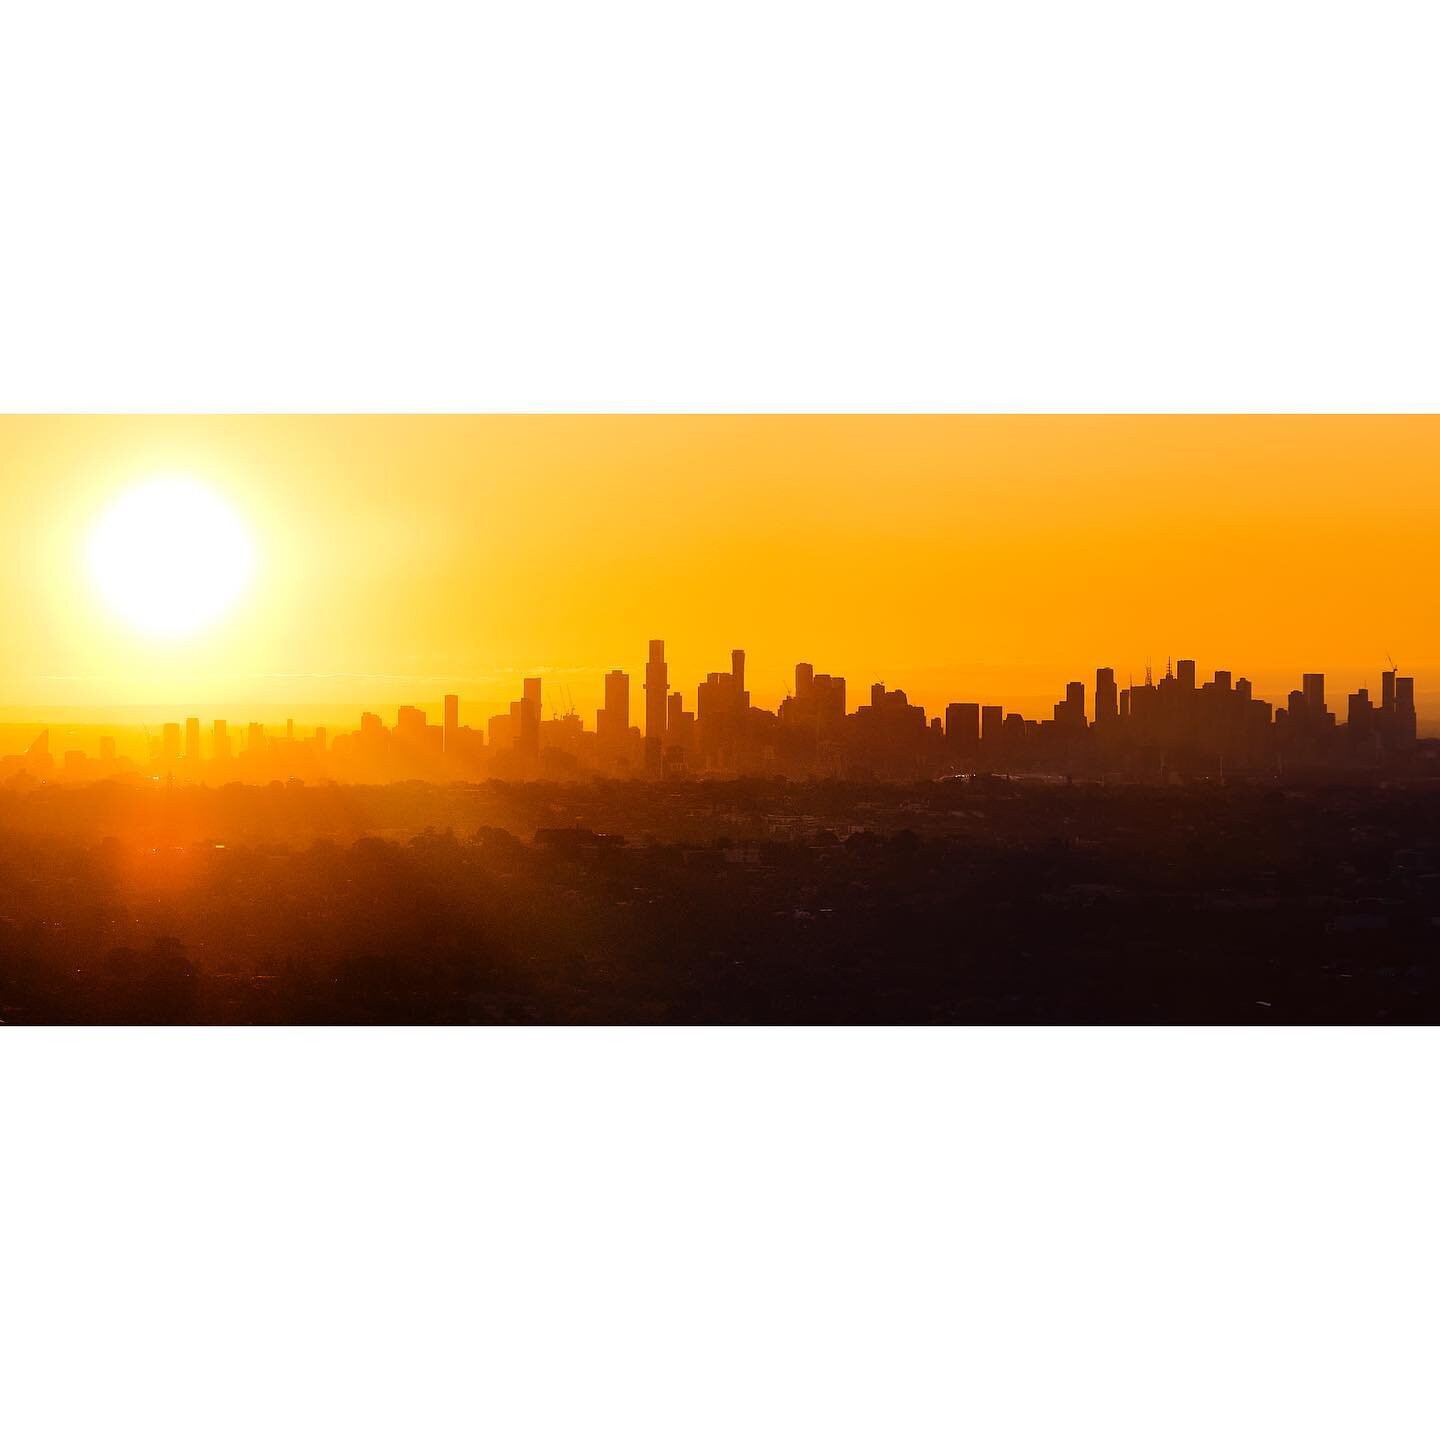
point(1174, 727)
point(657, 688)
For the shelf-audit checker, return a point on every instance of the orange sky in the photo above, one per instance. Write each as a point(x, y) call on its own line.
point(984, 557)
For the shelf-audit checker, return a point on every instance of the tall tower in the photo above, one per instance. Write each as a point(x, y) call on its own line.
point(1107, 697)
point(737, 669)
point(530, 717)
point(450, 734)
point(1405, 709)
point(612, 723)
point(657, 687)
point(617, 699)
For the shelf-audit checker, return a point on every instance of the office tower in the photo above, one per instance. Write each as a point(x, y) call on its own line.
point(289, 732)
point(830, 699)
point(1125, 704)
point(500, 732)
point(990, 721)
point(1313, 688)
point(1404, 716)
point(617, 699)
point(1222, 680)
point(530, 716)
point(371, 728)
point(254, 737)
point(170, 746)
point(192, 740)
point(722, 716)
point(804, 681)
point(962, 725)
point(1185, 674)
point(320, 738)
point(1107, 697)
point(222, 740)
point(612, 724)
point(1387, 692)
point(679, 728)
point(410, 725)
point(451, 731)
point(1243, 689)
point(657, 688)
point(1075, 703)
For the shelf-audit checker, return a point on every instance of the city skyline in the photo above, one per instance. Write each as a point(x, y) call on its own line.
point(373, 559)
point(1176, 722)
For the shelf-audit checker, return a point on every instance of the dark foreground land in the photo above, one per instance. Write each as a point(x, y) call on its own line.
point(960, 901)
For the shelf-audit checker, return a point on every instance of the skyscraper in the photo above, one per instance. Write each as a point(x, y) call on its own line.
point(612, 724)
point(530, 717)
point(962, 725)
point(1404, 717)
point(657, 687)
point(1107, 697)
point(192, 740)
point(450, 733)
point(617, 699)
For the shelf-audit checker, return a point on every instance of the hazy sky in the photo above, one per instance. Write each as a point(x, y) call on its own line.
point(989, 558)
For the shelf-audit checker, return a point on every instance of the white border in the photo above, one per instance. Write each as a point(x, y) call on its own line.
point(650, 1233)
point(765, 205)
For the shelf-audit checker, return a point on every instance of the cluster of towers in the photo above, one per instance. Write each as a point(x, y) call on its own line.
point(1174, 723)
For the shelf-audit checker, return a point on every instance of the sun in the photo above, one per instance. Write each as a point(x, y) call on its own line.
point(170, 557)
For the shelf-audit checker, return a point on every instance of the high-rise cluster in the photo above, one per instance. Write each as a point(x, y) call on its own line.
point(1173, 725)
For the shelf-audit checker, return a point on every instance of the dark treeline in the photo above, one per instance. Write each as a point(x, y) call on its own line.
point(985, 901)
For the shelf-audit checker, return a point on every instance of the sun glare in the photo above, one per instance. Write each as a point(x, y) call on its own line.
point(170, 557)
